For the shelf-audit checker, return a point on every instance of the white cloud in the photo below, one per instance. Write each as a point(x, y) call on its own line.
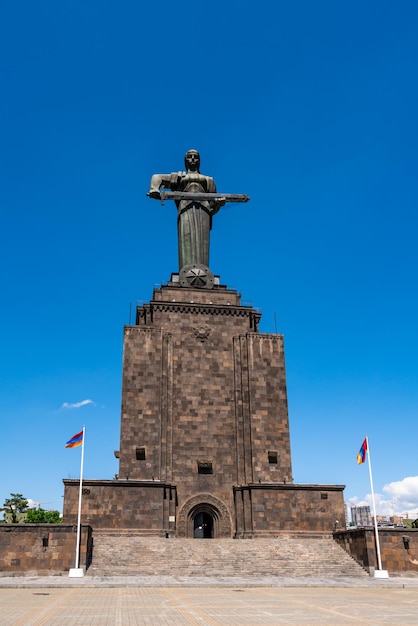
point(405, 495)
point(400, 497)
point(76, 405)
point(405, 488)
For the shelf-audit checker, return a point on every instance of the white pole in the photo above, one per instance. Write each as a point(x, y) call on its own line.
point(379, 560)
point(77, 572)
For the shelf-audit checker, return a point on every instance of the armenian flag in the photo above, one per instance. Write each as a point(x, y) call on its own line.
point(361, 455)
point(75, 441)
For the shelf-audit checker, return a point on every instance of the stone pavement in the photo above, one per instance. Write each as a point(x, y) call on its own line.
point(153, 601)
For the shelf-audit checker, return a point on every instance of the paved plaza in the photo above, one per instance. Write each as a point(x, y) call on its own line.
point(59, 601)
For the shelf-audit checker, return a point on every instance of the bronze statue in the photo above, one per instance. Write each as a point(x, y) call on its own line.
point(197, 201)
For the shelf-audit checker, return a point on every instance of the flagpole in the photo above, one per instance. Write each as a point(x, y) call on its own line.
point(383, 573)
point(78, 572)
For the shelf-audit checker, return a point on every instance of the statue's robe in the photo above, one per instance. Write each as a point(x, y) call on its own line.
point(194, 220)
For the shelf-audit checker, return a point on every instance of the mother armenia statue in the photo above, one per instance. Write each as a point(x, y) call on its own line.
point(197, 201)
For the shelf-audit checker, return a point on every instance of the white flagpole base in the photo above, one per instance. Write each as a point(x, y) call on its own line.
point(381, 573)
point(76, 572)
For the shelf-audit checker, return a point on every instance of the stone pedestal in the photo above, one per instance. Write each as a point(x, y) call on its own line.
point(204, 445)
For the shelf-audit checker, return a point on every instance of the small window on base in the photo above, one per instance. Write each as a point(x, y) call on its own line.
point(272, 455)
point(204, 467)
point(140, 454)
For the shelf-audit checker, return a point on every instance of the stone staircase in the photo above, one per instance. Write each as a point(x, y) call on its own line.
point(289, 555)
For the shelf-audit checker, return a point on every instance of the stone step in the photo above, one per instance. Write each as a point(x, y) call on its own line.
point(288, 556)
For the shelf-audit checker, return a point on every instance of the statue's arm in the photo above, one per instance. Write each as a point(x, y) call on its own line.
point(160, 180)
point(215, 206)
point(157, 181)
point(211, 185)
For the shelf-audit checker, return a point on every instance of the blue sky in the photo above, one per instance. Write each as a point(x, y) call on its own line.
point(308, 107)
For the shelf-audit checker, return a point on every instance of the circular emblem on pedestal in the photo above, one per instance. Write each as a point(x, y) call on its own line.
point(197, 275)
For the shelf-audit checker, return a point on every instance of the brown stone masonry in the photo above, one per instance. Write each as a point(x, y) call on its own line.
point(202, 388)
point(42, 548)
point(398, 548)
point(204, 428)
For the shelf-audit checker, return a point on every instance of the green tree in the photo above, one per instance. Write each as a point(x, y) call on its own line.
point(40, 516)
point(415, 524)
point(14, 506)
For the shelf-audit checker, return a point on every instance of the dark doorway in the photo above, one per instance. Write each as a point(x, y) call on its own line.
point(203, 526)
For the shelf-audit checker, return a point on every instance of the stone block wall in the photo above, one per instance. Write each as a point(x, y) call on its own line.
point(204, 397)
point(42, 548)
point(204, 427)
point(258, 510)
point(143, 392)
point(398, 548)
point(265, 510)
point(261, 409)
point(121, 504)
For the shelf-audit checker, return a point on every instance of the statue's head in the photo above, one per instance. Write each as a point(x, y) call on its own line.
point(192, 161)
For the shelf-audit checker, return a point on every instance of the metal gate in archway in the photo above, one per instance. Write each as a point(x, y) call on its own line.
point(203, 525)
point(203, 517)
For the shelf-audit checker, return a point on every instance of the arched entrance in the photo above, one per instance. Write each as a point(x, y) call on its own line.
point(204, 520)
point(203, 516)
point(203, 525)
